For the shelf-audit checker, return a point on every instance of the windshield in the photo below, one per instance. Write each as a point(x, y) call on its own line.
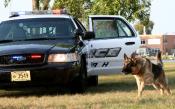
point(36, 28)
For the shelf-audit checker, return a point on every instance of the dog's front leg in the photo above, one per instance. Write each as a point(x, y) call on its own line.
point(138, 86)
point(142, 84)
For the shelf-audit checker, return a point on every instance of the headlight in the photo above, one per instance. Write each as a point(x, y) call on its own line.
point(71, 57)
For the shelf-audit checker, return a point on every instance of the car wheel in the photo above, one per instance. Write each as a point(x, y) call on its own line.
point(80, 82)
point(92, 80)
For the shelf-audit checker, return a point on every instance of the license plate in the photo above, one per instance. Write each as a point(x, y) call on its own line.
point(20, 76)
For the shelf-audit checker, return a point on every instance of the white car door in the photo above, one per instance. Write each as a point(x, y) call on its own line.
point(114, 36)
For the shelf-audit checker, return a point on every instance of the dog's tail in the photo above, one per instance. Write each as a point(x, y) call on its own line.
point(159, 58)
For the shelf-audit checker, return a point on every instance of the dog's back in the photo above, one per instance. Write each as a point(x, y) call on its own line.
point(159, 58)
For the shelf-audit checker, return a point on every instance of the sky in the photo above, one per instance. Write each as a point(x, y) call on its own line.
point(161, 13)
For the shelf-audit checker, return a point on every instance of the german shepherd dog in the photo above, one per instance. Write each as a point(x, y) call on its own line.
point(146, 72)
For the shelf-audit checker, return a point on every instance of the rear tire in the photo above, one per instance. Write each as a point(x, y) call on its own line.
point(92, 80)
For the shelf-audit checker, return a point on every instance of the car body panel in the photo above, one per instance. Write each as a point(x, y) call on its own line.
point(43, 46)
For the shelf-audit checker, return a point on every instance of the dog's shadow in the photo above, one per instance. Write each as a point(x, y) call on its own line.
point(113, 87)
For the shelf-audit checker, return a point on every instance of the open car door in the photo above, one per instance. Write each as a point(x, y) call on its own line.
point(114, 36)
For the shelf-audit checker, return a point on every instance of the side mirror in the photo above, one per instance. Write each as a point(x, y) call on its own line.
point(89, 35)
point(77, 33)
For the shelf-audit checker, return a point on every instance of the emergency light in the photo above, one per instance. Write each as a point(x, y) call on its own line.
point(43, 12)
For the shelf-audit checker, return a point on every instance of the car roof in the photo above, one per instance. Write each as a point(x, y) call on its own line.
point(117, 16)
point(37, 16)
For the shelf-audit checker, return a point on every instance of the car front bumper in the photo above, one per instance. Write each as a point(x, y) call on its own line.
point(53, 73)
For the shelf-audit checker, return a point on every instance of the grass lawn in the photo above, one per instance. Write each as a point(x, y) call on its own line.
point(113, 92)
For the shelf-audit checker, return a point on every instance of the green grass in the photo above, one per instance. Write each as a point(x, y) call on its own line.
point(113, 92)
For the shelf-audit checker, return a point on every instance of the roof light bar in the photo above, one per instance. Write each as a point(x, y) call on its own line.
point(44, 12)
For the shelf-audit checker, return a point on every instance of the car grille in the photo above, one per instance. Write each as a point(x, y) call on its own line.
point(24, 59)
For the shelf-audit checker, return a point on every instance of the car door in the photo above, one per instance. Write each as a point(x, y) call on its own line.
point(114, 36)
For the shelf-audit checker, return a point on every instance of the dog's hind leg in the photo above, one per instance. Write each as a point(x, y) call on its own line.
point(167, 87)
point(164, 86)
point(158, 87)
point(168, 90)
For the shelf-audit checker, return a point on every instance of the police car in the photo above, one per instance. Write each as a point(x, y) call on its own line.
point(56, 49)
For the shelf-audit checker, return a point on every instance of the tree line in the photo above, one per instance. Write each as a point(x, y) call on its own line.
point(135, 11)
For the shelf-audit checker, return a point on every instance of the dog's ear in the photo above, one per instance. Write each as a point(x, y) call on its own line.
point(133, 55)
point(125, 57)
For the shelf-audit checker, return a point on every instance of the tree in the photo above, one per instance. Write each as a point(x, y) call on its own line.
point(75, 7)
point(130, 9)
point(139, 28)
point(36, 4)
point(6, 2)
point(148, 27)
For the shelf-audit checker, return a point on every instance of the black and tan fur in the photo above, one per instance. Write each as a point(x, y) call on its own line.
point(146, 73)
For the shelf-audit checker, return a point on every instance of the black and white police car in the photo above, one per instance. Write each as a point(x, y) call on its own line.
point(49, 48)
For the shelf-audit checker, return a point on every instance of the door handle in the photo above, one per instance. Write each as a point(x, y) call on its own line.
point(129, 43)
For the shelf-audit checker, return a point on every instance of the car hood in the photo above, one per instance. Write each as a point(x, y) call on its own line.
point(26, 47)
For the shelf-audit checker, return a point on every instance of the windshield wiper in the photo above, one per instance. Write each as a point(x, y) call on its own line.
point(40, 39)
point(6, 41)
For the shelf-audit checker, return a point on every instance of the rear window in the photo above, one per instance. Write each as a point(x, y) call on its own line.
point(36, 28)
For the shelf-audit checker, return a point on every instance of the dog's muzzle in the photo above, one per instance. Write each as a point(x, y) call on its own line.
point(126, 70)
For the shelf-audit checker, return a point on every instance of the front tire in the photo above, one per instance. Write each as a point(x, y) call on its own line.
point(80, 82)
point(92, 80)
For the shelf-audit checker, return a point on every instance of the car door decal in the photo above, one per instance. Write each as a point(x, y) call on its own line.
point(103, 64)
point(104, 52)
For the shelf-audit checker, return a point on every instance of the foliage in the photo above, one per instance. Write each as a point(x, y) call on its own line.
point(75, 7)
point(37, 4)
point(6, 2)
point(139, 27)
point(130, 9)
point(40, 4)
point(148, 27)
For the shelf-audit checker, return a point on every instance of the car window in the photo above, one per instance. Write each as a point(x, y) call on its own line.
point(123, 29)
point(80, 26)
point(36, 28)
point(4, 30)
point(111, 28)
